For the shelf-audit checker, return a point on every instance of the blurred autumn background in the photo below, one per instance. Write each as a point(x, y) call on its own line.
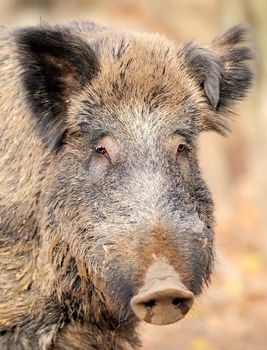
point(232, 313)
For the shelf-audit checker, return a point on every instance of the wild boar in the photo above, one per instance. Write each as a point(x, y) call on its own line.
point(105, 219)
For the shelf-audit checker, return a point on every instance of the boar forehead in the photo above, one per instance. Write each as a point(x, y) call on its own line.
point(142, 84)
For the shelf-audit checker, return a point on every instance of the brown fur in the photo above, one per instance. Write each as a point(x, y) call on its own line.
point(68, 263)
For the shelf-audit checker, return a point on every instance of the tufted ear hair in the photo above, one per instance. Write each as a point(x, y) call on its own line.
point(221, 70)
point(205, 66)
point(55, 64)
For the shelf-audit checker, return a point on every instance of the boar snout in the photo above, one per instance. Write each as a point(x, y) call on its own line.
point(163, 298)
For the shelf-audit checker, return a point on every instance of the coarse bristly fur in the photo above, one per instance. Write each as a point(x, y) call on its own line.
point(99, 174)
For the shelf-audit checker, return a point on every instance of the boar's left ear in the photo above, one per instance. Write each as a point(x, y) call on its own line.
point(55, 63)
point(222, 71)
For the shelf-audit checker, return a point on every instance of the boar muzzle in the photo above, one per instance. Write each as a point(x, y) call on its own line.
point(163, 298)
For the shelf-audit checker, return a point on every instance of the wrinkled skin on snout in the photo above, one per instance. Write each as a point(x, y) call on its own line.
point(106, 219)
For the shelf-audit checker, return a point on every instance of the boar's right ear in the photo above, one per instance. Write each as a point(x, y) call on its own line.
point(221, 70)
point(55, 63)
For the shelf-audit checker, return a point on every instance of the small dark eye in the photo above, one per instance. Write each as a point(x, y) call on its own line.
point(103, 151)
point(181, 148)
point(100, 149)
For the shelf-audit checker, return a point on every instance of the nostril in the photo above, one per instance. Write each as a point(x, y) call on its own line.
point(182, 304)
point(149, 304)
point(178, 301)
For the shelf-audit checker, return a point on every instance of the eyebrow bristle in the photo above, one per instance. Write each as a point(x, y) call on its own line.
point(189, 135)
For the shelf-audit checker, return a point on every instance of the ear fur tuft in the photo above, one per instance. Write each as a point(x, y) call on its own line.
point(221, 70)
point(237, 73)
point(55, 63)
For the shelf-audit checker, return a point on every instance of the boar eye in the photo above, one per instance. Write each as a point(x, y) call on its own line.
point(103, 151)
point(181, 148)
